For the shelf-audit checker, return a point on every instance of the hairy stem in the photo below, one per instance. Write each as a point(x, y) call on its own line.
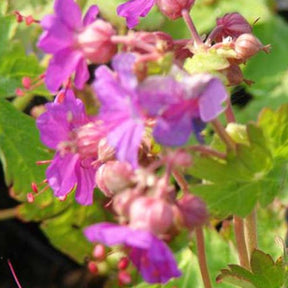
point(206, 150)
point(202, 257)
point(251, 231)
point(240, 242)
point(188, 20)
point(230, 117)
point(9, 213)
point(181, 181)
point(220, 130)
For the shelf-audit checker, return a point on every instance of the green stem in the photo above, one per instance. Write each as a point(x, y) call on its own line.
point(9, 213)
point(251, 231)
point(202, 257)
point(220, 130)
point(240, 242)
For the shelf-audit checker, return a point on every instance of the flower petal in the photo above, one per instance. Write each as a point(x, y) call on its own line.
point(134, 9)
point(91, 15)
point(61, 174)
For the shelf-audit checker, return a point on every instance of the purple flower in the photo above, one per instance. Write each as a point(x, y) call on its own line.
point(119, 108)
point(134, 9)
point(60, 39)
point(186, 105)
point(151, 256)
point(57, 129)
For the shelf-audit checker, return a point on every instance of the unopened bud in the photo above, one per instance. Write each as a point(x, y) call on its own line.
point(19, 92)
point(34, 187)
point(173, 8)
point(88, 138)
point(123, 263)
point(92, 267)
point(247, 45)
point(95, 42)
point(26, 82)
point(105, 151)
point(29, 20)
point(124, 277)
point(113, 177)
point(99, 252)
point(30, 197)
point(123, 200)
point(193, 211)
point(19, 17)
point(152, 214)
point(232, 25)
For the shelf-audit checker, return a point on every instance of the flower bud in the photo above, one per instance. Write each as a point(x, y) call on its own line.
point(173, 8)
point(193, 211)
point(232, 25)
point(88, 138)
point(123, 201)
point(105, 151)
point(247, 45)
point(124, 277)
point(95, 42)
point(123, 263)
point(99, 252)
point(113, 177)
point(152, 214)
point(93, 268)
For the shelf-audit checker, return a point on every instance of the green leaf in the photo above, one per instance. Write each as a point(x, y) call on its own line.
point(264, 273)
point(65, 231)
point(274, 124)
point(20, 148)
point(234, 185)
point(44, 206)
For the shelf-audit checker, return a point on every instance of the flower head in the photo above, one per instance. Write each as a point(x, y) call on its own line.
point(58, 126)
point(151, 256)
point(65, 37)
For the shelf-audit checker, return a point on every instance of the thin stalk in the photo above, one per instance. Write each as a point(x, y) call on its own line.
point(7, 214)
point(230, 117)
point(202, 257)
point(206, 150)
point(251, 231)
point(240, 242)
point(220, 130)
point(181, 181)
point(188, 20)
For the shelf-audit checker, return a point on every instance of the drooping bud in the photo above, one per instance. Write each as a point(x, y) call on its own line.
point(193, 211)
point(113, 177)
point(173, 8)
point(95, 42)
point(247, 45)
point(152, 214)
point(231, 25)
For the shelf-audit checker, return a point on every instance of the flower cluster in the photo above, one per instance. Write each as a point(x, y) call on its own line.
point(142, 132)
